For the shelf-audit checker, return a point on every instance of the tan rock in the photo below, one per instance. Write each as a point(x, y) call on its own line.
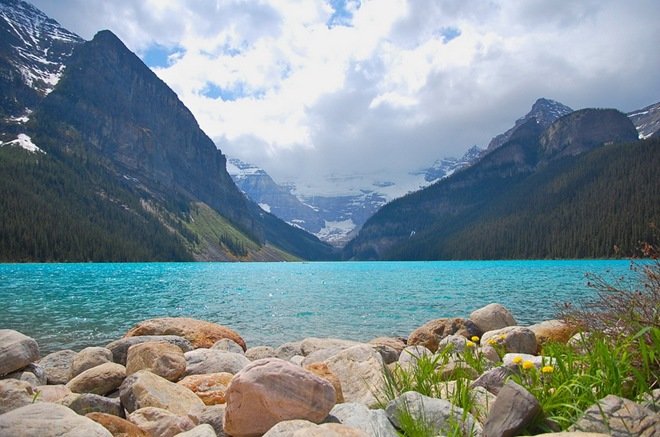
point(312, 344)
point(200, 361)
point(513, 339)
point(88, 358)
point(323, 371)
point(395, 343)
point(17, 351)
point(161, 358)
point(211, 387)
point(15, 394)
point(430, 333)
point(271, 390)
point(304, 428)
point(259, 352)
point(58, 366)
point(117, 426)
point(145, 389)
point(100, 380)
point(360, 370)
point(52, 393)
point(199, 332)
point(552, 331)
point(45, 419)
point(158, 422)
point(203, 430)
point(492, 316)
point(120, 347)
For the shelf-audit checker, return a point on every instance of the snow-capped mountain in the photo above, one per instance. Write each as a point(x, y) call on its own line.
point(545, 111)
point(647, 120)
point(445, 167)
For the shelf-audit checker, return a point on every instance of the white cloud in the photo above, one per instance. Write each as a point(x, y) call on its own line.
point(383, 86)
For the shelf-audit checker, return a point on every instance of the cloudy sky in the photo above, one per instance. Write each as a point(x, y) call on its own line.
point(308, 89)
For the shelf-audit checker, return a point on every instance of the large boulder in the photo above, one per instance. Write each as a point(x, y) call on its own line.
point(17, 351)
point(57, 366)
point(272, 390)
point(15, 394)
point(305, 428)
point(211, 387)
point(199, 332)
point(512, 339)
point(514, 409)
point(45, 419)
point(201, 361)
point(162, 358)
point(360, 372)
point(100, 380)
point(358, 416)
point(89, 357)
point(119, 348)
point(491, 317)
point(618, 417)
point(430, 333)
point(52, 393)
point(556, 331)
point(160, 422)
point(118, 426)
point(145, 389)
point(323, 371)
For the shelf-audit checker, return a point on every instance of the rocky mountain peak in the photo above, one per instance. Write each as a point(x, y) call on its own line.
point(647, 121)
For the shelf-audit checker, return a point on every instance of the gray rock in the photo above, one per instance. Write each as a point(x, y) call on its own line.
point(45, 419)
point(17, 351)
point(288, 350)
point(439, 414)
point(58, 366)
point(388, 353)
point(618, 417)
point(372, 422)
point(144, 389)
point(200, 361)
point(411, 354)
point(651, 400)
point(515, 339)
point(101, 380)
point(203, 430)
point(297, 360)
point(88, 358)
point(313, 344)
point(514, 409)
point(228, 345)
point(537, 360)
point(210, 414)
point(52, 393)
point(160, 422)
point(483, 402)
point(360, 372)
point(92, 403)
point(455, 342)
point(119, 348)
point(491, 317)
point(259, 352)
point(15, 394)
point(320, 356)
point(493, 379)
point(32, 373)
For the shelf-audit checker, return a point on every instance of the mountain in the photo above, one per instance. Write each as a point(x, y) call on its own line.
point(544, 111)
point(647, 121)
point(121, 162)
point(573, 189)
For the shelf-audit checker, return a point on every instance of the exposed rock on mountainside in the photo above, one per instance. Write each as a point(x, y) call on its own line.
point(647, 120)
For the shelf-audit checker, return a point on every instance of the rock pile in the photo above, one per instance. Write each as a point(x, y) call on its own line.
point(186, 377)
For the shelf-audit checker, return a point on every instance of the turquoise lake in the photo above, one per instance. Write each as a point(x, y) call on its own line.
point(78, 305)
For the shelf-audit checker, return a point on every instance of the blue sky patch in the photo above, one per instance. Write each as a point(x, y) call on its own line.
point(237, 91)
point(158, 55)
point(449, 33)
point(342, 15)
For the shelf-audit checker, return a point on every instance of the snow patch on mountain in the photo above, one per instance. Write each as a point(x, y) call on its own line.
point(24, 141)
point(646, 120)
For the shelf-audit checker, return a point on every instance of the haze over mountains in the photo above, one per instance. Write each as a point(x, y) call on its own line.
point(100, 161)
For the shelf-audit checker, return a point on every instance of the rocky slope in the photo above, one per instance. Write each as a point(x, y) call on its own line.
point(647, 120)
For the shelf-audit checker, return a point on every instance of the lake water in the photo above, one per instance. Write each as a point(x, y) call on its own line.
point(78, 305)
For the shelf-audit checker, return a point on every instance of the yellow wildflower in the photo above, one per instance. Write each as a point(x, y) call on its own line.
point(492, 342)
point(547, 369)
point(517, 359)
point(527, 365)
point(474, 338)
point(502, 337)
point(469, 343)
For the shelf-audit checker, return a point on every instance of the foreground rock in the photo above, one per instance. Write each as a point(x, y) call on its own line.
point(160, 422)
point(200, 333)
point(116, 425)
point(430, 333)
point(161, 358)
point(305, 428)
point(618, 416)
point(211, 388)
point(272, 390)
point(91, 403)
point(359, 369)
point(513, 339)
point(144, 389)
point(17, 351)
point(45, 419)
point(323, 371)
point(15, 394)
point(552, 331)
point(100, 380)
point(514, 409)
point(358, 416)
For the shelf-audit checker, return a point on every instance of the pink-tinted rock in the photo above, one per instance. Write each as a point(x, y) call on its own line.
point(117, 426)
point(323, 371)
point(159, 422)
point(211, 387)
point(145, 389)
point(99, 380)
point(199, 332)
point(162, 358)
point(514, 339)
point(45, 419)
point(272, 390)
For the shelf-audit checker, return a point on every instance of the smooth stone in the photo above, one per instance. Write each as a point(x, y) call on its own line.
point(92, 403)
point(556, 331)
point(160, 422)
point(411, 354)
point(537, 360)
point(45, 419)
point(438, 413)
point(227, 345)
point(490, 353)
point(203, 430)
point(491, 317)
point(358, 416)
point(259, 352)
point(493, 380)
point(304, 428)
point(100, 380)
point(618, 417)
point(514, 409)
point(200, 333)
point(513, 339)
point(430, 333)
point(312, 344)
point(201, 361)
point(52, 393)
point(117, 426)
point(161, 358)
point(297, 360)
point(211, 387)
point(323, 371)
point(32, 373)
point(288, 350)
point(360, 372)
point(145, 389)
point(14, 394)
point(17, 351)
point(454, 344)
point(483, 402)
point(212, 415)
point(271, 390)
point(320, 355)
point(57, 366)
point(120, 347)
point(398, 344)
point(89, 357)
